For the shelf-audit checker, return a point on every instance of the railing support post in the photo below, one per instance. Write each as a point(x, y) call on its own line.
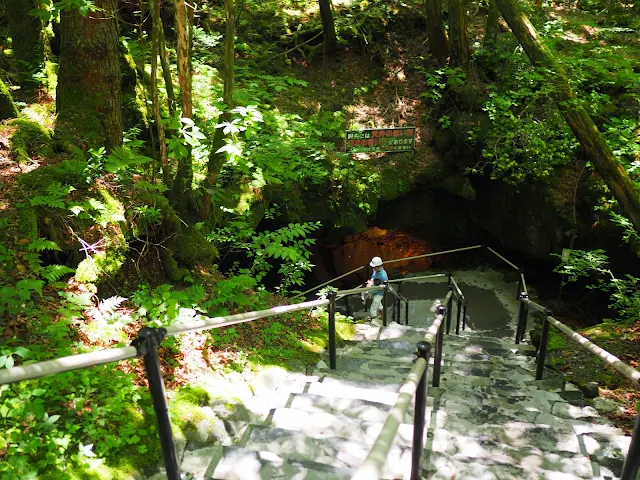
point(542, 350)
point(385, 297)
point(464, 315)
point(632, 463)
point(332, 329)
point(518, 293)
point(349, 307)
point(398, 310)
point(458, 312)
point(406, 312)
point(522, 318)
point(147, 344)
point(437, 358)
point(424, 351)
point(449, 309)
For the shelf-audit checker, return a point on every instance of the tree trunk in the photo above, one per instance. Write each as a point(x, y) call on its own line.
point(154, 6)
point(492, 27)
point(458, 37)
point(328, 26)
point(28, 39)
point(216, 160)
point(7, 107)
point(89, 98)
point(184, 175)
point(605, 163)
point(435, 31)
point(166, 72)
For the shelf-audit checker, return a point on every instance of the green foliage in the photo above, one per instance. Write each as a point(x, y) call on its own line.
point(162, 306)
point(624, 292)
point(17, 296)
point(72, 420)
point(288, 245)
point(440, 80)
point(528, 137)
point(50, 10)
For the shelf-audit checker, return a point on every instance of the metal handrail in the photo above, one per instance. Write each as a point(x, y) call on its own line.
point(421, 277)
point(207, 323)
point(457, 288)
point(503, 259)
point(65, 364)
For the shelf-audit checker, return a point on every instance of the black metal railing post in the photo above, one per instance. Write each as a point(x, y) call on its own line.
point(519, 284)
point(464, 315)
point(542, 350)
point(458, 312)
point(332, 329)
point(147, 344)
point(406, 312)
point(419, 411)
point(385, 297)
point(437, 358)
point(632, 463)
point(348, 306)
point(449, 309)
point(522, 318)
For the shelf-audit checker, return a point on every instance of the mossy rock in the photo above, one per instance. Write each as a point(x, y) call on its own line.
point(30, 139)
point(78, 127)
point(194, 395)
point(190, 248)
point(8, 109)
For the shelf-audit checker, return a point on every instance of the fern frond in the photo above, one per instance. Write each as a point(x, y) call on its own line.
point(53, 273)
point(42, 244)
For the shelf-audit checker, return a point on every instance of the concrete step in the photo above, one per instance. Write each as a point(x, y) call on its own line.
point(355, 408)
point(336, 451)
point(341, 390)
point(325, 425)
point(236, 463)
point(511, 464)
point(345, 379)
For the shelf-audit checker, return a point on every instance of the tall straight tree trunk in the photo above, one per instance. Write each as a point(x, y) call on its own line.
point(166, 71)
point(28, 39)
point(585, 130)
point(328, 26)
point(492, 27)
point(184, 175)
point(89, 98)
point(154, 6)
point(458, 36)
point(435, 31)
point(216, 160)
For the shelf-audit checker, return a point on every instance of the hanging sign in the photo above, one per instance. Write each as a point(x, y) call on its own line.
point(395, 139)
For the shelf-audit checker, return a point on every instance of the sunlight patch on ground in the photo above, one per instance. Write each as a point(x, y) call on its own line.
point(572, 37)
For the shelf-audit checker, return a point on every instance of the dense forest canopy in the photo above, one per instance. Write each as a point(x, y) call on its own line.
point(161, 155)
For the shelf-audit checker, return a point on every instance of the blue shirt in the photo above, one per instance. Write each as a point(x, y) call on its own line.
point(383, 277)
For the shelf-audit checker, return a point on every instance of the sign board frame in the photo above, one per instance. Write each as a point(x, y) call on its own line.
point(380, 140)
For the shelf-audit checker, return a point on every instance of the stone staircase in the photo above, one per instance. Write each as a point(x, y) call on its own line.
point(489, 419)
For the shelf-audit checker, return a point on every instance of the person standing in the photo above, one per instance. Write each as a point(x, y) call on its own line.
point(378, 277)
